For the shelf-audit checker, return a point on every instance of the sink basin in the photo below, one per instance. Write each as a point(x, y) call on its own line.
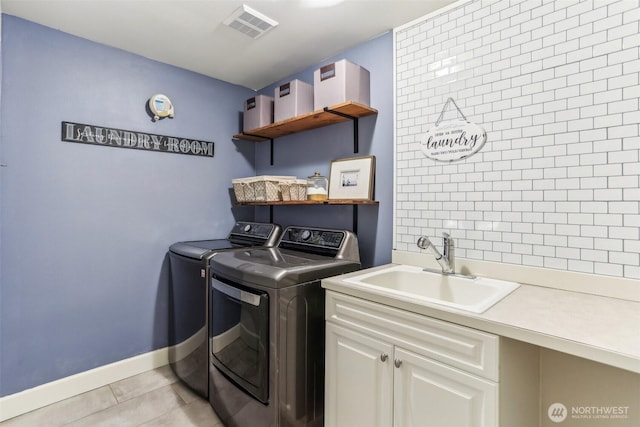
point(418, 286)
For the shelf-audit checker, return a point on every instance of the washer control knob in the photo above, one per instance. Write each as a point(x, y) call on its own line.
point(305, 235)
point(247, 228)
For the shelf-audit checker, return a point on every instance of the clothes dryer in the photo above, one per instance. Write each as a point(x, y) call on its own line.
point(189, 297)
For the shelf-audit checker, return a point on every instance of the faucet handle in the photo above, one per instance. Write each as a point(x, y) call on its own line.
point(447, 242)
point(448, 252)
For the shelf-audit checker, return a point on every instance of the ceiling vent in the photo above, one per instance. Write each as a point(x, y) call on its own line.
point(250, 22)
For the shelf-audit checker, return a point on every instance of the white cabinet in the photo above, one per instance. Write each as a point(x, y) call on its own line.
point(431, 394)
point(360, 379)
point(388, 367)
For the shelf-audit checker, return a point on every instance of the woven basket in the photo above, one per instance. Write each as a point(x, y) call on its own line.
point(242, 190)
point(298, 189)
point(265, 188)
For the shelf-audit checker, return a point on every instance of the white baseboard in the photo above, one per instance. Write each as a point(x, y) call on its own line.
point(187, 347)
point(55, 391)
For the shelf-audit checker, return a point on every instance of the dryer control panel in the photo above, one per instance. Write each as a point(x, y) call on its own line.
point(312, 236)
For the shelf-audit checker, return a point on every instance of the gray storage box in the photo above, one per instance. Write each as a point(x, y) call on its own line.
point(339, 82)
point(258, 112)
point(292, 99)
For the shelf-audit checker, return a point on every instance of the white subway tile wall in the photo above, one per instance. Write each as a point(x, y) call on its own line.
point(556, 86)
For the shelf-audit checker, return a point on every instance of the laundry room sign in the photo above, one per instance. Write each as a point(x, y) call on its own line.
point(111, 137)
point(452, 140)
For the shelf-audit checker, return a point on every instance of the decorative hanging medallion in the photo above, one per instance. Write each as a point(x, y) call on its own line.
point(452, 140)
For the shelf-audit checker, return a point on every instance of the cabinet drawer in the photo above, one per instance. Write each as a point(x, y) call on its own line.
point(473, 351)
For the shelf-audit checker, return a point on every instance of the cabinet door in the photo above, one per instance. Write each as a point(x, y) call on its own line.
point(430, 394)
point(358, 378)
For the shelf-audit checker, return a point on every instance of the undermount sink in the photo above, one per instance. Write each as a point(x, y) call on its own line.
point(419, 286)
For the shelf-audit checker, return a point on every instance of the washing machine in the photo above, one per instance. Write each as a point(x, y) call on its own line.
point(267, 327)
point(189, 297)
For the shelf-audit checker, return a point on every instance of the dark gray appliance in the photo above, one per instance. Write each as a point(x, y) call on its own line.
point(267, 327)
point(189, 301)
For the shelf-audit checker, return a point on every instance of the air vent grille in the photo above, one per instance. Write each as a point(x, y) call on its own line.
point(250, 22)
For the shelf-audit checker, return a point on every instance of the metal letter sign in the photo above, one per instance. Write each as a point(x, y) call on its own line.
point(109, 137)
point(452, 140)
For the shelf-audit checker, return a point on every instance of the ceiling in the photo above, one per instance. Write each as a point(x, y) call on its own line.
point(190, 33)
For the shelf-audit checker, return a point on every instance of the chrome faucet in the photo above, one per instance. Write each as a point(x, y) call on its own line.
point(446, 259)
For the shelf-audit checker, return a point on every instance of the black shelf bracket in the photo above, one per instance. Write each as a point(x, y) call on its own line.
point(355, 219)
point(355, 125)
point(271, 151)
point(270, 144)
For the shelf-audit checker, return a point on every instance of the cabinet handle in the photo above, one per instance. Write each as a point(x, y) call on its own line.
point(384, 357)
point(397, 362)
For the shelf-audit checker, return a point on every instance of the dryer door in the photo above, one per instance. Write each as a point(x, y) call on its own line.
point(240, 336)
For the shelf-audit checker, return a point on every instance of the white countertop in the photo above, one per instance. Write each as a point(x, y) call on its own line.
point(603, 329)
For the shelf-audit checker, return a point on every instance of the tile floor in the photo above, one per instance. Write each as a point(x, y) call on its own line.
point(154, 398)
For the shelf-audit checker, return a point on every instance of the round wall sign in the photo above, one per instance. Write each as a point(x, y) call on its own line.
point(452, 140)
point(160, 106)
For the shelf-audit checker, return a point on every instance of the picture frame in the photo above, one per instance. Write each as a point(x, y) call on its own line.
point(352, 178)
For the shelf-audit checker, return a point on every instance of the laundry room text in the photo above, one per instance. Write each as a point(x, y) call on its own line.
point(98, 135)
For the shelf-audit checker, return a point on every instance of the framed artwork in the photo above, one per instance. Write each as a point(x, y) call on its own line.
point(352, 178)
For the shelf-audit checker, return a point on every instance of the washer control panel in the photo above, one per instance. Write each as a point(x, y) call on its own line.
point(253, 229)
point(255, 234)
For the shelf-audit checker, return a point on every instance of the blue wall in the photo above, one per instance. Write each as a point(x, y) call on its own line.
point(304, 153)
point(84, 229)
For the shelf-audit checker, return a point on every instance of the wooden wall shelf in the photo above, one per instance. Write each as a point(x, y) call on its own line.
point(328, 116)
point(310, 202)
point(343, 112)
point(344, 202)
